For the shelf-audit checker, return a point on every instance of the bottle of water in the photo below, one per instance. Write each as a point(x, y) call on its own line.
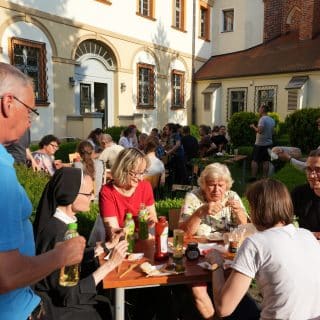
point(69, 275)
point(129, 229)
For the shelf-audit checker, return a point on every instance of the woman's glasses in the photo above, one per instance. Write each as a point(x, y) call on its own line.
point(138, 175)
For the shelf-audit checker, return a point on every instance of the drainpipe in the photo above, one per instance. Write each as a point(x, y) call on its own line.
point(193, 107)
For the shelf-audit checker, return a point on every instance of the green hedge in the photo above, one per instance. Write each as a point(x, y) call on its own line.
point(302, 129)
point(239, 128)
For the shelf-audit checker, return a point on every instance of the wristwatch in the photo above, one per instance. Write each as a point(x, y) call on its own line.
point(105, 249)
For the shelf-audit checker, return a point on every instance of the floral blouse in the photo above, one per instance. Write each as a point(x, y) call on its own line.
point(195, 199)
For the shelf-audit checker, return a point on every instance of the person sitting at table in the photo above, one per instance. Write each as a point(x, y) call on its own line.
point(207, 209)
point(44, 156)
point(68, 192)
point(283, 259)
point(306, 197)
point(213, 204)
point(127, 190)
point(90, 164)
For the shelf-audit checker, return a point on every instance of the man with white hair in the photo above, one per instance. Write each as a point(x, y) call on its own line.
point(110, 152)
point(19, 267)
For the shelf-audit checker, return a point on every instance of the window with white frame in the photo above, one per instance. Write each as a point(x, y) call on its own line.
point(237, 100)
point(266, 95)
point(228, 17)
point(177, 89)
point(30, 57)
point(178, 14)
point(145, 85)
point(145, 8)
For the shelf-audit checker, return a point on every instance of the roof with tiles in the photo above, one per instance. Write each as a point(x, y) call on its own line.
point(282, 55)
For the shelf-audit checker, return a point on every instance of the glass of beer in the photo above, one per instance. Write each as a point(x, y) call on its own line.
point(178, 237)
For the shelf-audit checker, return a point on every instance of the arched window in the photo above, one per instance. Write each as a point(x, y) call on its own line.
point(98, 50)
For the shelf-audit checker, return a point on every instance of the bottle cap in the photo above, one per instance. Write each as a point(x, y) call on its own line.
point(72, 226)
point(129, 215)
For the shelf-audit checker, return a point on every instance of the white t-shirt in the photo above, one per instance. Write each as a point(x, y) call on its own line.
point(286, 262)
point(265, 137)
point(125, 142)
point(156, 166)
point(109, 154)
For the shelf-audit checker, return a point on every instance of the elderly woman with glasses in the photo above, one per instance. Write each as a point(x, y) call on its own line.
point(68, 192)
point(44, 156)
point(127, 191)
point(207, 209)
point(306, 198)
point(213, 205)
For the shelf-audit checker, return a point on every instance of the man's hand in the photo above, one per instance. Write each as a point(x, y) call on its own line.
point(71, 251)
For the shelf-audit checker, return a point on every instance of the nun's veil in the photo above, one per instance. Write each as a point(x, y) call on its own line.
point(61, 190)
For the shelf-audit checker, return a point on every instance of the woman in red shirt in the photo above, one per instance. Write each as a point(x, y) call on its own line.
point(127, 190)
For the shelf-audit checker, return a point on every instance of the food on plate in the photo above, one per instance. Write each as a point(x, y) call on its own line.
point(216, 236)
point(135, 256)
point(148, 268)
point(203, 230)
point(169, 267)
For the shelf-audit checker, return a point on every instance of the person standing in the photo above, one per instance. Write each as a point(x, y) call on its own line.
point(19, 267)
point(264, 132)
point(21, 153)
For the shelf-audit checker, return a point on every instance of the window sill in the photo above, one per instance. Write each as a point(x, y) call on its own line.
point(177, 108)
point(105, 2)
point(179, 29)
point(146, 107)
point(147, 17)
point(204, 39)
point(42, 103)
point(226, 31)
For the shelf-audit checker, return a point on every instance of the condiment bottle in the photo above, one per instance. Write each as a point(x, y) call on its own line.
point(161, 239)
point(192, 251)
point(69, 275)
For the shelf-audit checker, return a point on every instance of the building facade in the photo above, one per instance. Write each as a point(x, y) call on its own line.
point(277, 65)
point(106, 62)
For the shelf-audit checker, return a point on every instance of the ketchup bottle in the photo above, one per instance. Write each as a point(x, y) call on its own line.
point(161, 239)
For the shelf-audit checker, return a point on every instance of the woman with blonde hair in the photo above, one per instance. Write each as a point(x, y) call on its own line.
point(127, 191)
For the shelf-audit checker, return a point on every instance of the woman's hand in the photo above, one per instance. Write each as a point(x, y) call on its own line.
point(116, 236)
point(237, 210)
point(212, 208)
point(118, 253)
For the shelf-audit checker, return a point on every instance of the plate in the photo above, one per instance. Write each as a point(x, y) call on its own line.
point(216, 236)
point(157, 270)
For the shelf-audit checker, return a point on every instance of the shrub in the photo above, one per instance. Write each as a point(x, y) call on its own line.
point(64, 150)
point(86, 220)
point(115, 133)
point(163, 206)
point(194, 131)
point(239, 128)
point(302, 129)
point(33, 183)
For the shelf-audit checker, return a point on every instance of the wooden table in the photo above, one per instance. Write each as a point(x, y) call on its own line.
point(137, 279)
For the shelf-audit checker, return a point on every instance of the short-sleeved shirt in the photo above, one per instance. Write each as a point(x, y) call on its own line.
point(114, 204)
point(18, 149)
point(174, 137)
point(285, 262)
point(15, 234)
point(194, 200)
point(265, 137)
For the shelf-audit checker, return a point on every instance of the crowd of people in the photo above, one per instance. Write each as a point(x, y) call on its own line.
point(281, 257)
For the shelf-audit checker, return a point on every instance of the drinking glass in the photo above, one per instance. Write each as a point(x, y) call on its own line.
point(178, 237)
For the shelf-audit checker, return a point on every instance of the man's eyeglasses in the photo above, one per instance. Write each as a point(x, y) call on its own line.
point(25, 105)
point(138, 175)
point(28, 107)
point(315, 170)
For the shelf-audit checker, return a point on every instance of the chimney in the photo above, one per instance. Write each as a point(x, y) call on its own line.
point(272, 19)
point(310, 15)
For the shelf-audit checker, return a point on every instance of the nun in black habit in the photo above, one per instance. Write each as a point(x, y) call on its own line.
point(69, 192)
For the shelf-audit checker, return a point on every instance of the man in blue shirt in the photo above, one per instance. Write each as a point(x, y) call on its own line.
point(19, 268)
